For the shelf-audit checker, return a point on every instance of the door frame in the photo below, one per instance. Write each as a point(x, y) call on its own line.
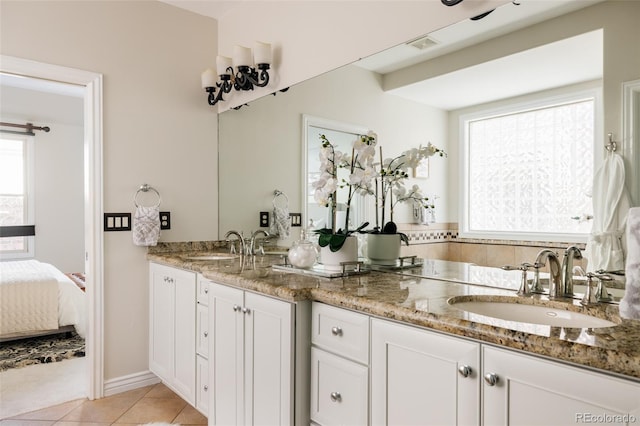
point(94, 268)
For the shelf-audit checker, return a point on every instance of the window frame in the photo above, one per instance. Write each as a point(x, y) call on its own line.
point(28, 142)
point(536, 101)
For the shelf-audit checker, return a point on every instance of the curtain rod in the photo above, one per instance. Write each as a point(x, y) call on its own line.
point(29, 128)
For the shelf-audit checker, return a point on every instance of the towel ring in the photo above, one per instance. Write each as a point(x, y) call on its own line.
point(277, 193)
point(146, 188)
point(612, 145)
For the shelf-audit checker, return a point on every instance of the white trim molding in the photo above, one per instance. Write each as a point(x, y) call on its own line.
point(631, 136)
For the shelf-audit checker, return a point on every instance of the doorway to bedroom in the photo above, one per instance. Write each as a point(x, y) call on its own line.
point(65, 162)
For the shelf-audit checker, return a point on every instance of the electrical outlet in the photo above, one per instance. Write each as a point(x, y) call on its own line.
point(264, 219)
point(296, 219)
point(165, 220)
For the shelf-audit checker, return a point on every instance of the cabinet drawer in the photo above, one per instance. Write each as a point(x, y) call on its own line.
point(202, 385)
point(339, 390)
point(203, 290)
point(340, 331)
point(202, 330)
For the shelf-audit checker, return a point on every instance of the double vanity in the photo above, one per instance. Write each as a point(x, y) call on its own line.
point(246, 343)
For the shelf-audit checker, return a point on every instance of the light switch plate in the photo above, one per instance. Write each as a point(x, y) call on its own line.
point(296, 219)
point(117, 222)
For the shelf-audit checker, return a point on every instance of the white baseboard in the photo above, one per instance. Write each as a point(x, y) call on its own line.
point(130, 382)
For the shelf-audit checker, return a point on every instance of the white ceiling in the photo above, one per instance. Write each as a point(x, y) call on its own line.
point(534, 70)
point(40, 101)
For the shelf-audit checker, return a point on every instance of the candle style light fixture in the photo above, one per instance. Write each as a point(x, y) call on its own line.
point(251, 70)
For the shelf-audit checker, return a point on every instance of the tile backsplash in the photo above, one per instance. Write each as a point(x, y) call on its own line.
point(441, 241)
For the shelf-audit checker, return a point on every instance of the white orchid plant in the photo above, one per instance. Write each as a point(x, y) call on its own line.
point(391, 183)
point(384, 180)
point(326, 186)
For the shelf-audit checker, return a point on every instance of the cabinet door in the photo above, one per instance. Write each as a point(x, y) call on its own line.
point(185, 335)
point(269, 362)
point(202, 385)
point(161, 321)
point(225, 356)
point(202, 330)
point(415, 378)
point(339, 390)
point(172, 351)
point(537, 391)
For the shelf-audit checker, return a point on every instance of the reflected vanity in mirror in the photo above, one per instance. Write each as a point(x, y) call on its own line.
point(270, 137)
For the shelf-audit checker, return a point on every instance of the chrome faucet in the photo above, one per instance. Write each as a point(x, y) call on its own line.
point(570, 253)
point(240, 238)
point(252, 245)
point(555, 283)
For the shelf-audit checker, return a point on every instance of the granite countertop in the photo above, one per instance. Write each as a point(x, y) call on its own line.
point(408, 297)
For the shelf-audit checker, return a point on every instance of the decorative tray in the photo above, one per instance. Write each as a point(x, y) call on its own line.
point(318, 270)
point(406, 262)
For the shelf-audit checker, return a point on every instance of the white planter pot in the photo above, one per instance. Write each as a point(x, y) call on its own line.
point(348, 253)
point(383, 249)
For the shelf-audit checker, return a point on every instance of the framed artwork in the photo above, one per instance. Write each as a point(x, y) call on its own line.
point(422, 169)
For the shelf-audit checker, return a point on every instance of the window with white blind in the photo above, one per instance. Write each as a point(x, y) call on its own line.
point(529, 170)
point(16, 194)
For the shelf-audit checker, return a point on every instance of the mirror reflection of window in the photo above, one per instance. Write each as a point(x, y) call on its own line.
point(530, 168)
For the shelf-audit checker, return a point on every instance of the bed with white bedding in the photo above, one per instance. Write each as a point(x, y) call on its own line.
point(36, 298)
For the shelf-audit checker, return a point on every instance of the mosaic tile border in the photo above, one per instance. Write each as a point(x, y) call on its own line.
point(452, 235)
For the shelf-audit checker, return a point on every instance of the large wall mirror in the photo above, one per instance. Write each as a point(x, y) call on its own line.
point(414, 99)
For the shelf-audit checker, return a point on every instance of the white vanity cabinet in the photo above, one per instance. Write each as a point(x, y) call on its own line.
point(172, 328)
point(339, 366)
point(419, 377)
point(202, 345)
point(252, 359)
point(524, 389)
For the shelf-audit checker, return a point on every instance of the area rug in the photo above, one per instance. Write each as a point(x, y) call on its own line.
point(40, 350)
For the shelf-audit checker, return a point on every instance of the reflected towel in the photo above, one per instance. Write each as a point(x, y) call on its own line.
point(146, 226)
point(630, 303)
point(281, 225)
point(605, 247)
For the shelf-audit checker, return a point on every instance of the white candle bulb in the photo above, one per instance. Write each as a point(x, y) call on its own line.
point(208, 78)
point(223, 63)
point(242, 56)
point(262, 53)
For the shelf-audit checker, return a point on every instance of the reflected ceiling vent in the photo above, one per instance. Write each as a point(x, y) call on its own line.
point(422, 43)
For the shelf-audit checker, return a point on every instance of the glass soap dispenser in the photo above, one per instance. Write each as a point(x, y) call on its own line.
point(303, 253)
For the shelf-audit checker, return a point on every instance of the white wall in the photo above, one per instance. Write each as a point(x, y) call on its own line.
point(158, 129)
point(60, 197)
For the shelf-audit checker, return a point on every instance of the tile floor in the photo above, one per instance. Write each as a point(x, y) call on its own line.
point(149, 404)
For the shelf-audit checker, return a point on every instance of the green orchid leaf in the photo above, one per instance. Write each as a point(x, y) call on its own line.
point(337, 241)
point(324, 239)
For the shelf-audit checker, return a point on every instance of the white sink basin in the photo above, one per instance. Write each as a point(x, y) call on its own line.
point(221, 256)
point(507, 309)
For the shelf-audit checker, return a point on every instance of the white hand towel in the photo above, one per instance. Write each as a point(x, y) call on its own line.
point(630, 303)
point(146, 226)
